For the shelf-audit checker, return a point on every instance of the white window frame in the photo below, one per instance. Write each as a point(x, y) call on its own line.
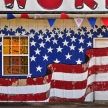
point(15, 55)
point(96, 39)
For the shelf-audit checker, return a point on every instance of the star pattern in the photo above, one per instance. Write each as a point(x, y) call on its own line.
point(37, 51)
point(59, 49)
point(81, 40)
point(57, 45)
point(39, 68)
point(68, 56)
point(45, 57)
point(79, 61)
point(33, 58)
point(65, 43)
point(73, 39)
point(56, 61)
point(33, 43)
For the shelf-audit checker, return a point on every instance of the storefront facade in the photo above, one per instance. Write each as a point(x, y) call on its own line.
point(63, 59)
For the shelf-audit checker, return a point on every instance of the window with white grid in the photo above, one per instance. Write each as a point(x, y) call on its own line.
point(15, 55)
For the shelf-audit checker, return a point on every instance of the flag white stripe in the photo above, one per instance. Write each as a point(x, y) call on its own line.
point(101, 95)
point(91, 79)
point(89, 97)
point(69, 76)
point(101, 77)
point(98, 61)
point(47, 100)
point(62, 93)
point(33, 89)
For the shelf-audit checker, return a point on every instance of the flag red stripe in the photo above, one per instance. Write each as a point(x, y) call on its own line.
point(68, 85)
point(24, 97)
point(23, 82)
point(97, 52)
point(80, 68)
point(101, 86)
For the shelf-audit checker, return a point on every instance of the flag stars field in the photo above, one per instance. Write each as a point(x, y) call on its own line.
point(60, 46)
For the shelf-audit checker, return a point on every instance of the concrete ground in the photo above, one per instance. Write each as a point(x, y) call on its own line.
point(55, 105)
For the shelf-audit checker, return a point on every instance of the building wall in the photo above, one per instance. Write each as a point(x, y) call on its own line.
point(72, 74)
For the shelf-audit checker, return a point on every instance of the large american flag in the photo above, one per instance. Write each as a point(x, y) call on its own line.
point(63, 65)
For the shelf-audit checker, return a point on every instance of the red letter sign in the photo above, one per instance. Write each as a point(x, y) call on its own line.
point(90, 3)
point(54, 4)
point(10, 3)
point(106, 4)
point(50, 4)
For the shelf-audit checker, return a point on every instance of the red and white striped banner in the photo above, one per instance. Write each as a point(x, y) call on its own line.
point(64, 83)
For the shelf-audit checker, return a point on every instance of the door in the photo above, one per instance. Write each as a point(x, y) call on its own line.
point(101, 85)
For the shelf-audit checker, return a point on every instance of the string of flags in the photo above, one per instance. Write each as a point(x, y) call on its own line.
point(51, 21)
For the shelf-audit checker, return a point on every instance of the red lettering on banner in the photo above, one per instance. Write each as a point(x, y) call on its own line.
point(54, 4)
point(106, 4)
point(10, 4)
point(79, 4)
point(50, 4)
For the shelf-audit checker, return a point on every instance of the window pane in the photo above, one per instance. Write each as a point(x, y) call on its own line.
point(7, 70)
point(15, 60)
point(24, 60)
point(15, 41)
point(15, 69)
point(23, 40)
point(24, 50)
point(15, 49)
point(7, 60)
point(24, 69)
point(7, 41)
point(6, 49)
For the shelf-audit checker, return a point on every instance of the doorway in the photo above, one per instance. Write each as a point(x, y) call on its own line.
point(101, 78)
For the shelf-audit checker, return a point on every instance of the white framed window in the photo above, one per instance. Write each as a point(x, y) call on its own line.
point(15, 55)
point(100, 42)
